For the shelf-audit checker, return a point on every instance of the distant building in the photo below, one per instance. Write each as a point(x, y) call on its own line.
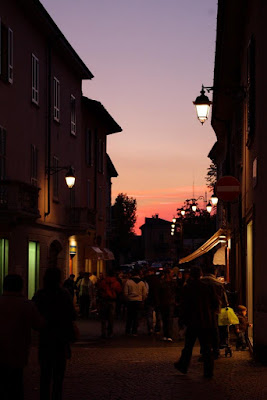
point(156, 239)
point(46, 126)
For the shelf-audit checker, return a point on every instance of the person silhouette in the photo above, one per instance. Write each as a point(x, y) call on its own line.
point(17, 317)
point(56, 306)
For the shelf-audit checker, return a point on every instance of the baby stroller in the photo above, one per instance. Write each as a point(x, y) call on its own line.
point(226, 318)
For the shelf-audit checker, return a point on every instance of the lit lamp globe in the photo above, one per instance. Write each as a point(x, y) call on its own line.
point(70, 178)
point(194, 207)
point(209, 207)
point(202, 104)
point(214, 200)
point(174, 220)
point(182, 212)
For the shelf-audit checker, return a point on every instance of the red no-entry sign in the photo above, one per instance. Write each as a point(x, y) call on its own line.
point(227, 188)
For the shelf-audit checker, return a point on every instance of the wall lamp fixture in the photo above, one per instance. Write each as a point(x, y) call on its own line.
point(69, 178)
point(203, 104)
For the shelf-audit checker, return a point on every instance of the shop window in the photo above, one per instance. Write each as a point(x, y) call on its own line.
point(33, 268)
point(4, 244)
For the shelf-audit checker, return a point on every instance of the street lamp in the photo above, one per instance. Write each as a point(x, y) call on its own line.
point(214, 200)
point(203, 104)
point(69, 178)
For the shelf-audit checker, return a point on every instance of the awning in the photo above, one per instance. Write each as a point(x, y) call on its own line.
point(94, 253)
point(108, 255)
point(219, 256)
point(220, 236)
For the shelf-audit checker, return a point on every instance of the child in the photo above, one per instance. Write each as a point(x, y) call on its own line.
point(241, 330)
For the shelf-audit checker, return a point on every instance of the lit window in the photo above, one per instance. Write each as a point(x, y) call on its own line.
point(35, 79)
point(72, 115)
point(56, 99)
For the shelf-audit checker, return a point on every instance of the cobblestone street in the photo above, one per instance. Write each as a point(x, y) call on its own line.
point(135, 368)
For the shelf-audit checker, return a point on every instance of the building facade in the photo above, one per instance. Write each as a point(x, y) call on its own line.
point(44, 125)
point(238, 119)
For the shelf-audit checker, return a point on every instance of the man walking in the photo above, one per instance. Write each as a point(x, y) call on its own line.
point(135, 292)
point(199, 304)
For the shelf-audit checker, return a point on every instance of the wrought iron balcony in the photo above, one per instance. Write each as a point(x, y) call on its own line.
point(18, 200)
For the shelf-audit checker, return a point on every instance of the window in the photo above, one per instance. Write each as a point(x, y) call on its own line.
point(34, 165)
point(72, 115)
point(55, 178)
point(89, 188)
point(6, 53)
point(56, 99)
point(2, 153)
point(100, 156)
point(89, 148)
point(33, 268)
point(4, 244)
point(35, 79)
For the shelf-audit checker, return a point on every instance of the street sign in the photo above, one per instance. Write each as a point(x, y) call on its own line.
point(228, 188)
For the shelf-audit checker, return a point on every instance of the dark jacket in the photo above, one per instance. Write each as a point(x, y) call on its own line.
point(243, 322)
point(56, 306)
point(153, 290)
point(199, 305)
point(17, 317)
point(210, 279)
point(167, 292)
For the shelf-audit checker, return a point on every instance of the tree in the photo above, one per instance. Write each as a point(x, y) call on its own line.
point(211, 177)
point(123, 222)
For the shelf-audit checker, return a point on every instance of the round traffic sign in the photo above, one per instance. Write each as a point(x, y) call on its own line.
point(228, 188)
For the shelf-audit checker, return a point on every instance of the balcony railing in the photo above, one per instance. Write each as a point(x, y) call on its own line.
point(18, 199)
point(82, 217)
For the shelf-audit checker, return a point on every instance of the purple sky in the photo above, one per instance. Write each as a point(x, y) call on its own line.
point(149, 59)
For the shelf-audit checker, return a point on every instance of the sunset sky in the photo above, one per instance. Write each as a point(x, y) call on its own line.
point(149, 59)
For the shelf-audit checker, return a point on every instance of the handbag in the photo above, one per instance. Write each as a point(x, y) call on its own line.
point(227, 316)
